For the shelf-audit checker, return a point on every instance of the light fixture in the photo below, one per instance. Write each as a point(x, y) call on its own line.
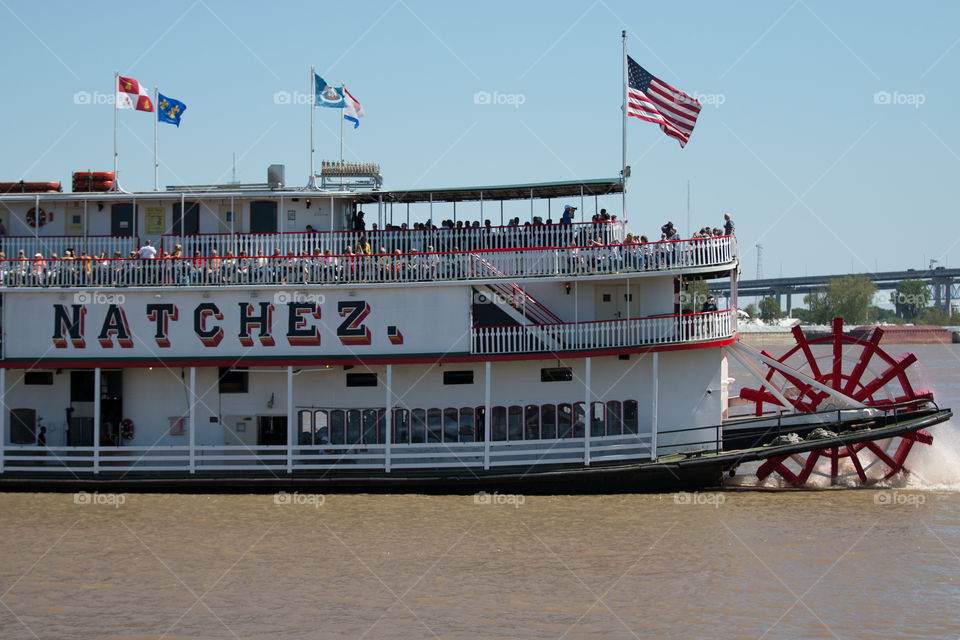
point(566, 285)
point(100, 206)
point(308, 203)
point(270, 402)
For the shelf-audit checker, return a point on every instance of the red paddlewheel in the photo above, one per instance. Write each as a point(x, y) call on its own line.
point(858, 368)
point(862, 463)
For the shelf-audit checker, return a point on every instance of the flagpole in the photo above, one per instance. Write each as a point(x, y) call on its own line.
point(116, 108)
point(623, 170)
point(312, 183)
point(156, 156)
point(342, 87)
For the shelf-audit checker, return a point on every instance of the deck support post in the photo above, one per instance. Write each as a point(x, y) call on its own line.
point(193, 419)
point(96, 420)
point(388, 435)
point(654, 403)
point(3, 415)
point(487, 415)
point(291, 415)
point(587, 414)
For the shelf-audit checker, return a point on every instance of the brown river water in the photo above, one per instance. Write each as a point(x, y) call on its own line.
point(837, 563)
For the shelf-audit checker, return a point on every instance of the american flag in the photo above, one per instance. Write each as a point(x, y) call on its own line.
point(655, 101)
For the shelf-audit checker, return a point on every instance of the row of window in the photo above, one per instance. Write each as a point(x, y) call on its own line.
point(466, 424)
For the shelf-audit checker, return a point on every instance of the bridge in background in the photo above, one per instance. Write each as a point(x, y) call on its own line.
point(944, 285)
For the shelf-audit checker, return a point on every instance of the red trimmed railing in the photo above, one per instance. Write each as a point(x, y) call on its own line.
point(604, 334)
point(244, 270)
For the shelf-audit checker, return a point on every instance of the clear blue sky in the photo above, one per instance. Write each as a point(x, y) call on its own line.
point(791, 139)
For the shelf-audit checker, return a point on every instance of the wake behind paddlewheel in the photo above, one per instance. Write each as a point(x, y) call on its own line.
point(860, 370)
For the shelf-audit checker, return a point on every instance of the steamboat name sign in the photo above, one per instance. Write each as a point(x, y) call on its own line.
point(146, 325)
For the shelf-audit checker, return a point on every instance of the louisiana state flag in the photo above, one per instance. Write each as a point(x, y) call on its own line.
point(169, 110)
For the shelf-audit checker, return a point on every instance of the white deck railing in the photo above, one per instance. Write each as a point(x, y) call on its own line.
point(605, 334)
point(505, 264)
point(404, 240)
point(280, 459)
point(12, 246)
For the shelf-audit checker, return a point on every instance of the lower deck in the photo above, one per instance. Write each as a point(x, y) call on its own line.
point(452, 418)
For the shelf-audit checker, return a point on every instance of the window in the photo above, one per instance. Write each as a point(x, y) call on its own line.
point(630, 411)
point(305, 418)
point(401, 426)
point(81, 386)
point(458, 377)
point(370, 427)
point(597, 422)
point(480, 430)
point(531, 421)
point(515, 423)
point(579, 420)
point(565, 420)
point(556, 374)
point(418, 426)
point(23, 426)
point(451, 429)
point(337, 432)
point(434, 425)
point(235, 380)
point(321, 430)
point(38, 377)
point(190, 222)
point(353, 426)
point(467, 433)
point(499, 424)
point(548, 422)
point(361, 379)
point(614, 423)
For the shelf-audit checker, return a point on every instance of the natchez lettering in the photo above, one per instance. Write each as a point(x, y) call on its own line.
point(254, 321)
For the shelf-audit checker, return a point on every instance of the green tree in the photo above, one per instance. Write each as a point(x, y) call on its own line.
point(885, 315)
point(939, 317)
point(751, 310)
point(694, 295)
point(770, 309)
point(850, 298)
point(910, 299)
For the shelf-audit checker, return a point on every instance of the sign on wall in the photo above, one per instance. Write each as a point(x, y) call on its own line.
point(154, 221)
point(124, 324)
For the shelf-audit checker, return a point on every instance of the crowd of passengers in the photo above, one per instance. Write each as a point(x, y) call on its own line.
point(357, 263)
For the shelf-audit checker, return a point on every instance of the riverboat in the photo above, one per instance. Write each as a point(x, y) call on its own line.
point(281, 338)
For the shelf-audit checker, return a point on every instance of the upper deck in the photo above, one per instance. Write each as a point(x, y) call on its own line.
point(404, 264)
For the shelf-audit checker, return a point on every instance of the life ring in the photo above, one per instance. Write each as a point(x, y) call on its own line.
point(94, 175)
point(127, 429)
point(38, 220)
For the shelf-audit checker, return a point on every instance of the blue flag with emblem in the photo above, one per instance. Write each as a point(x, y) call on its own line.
point(327, 95)
point(169, 110)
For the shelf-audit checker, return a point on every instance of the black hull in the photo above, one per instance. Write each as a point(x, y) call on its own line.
point(704, 471)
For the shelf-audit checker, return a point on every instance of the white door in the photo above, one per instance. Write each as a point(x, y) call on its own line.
point(612, 302)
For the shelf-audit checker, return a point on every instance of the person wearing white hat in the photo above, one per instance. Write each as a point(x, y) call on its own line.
point(568, 213)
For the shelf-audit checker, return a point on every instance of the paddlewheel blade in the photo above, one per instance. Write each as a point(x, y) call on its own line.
point(863, 463)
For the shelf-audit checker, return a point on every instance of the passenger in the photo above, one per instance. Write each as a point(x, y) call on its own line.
point(727, 224)
point(710, 304)
point(568, 213)
point(147, 252)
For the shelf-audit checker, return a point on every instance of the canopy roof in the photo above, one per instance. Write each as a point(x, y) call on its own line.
point(572, 188)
